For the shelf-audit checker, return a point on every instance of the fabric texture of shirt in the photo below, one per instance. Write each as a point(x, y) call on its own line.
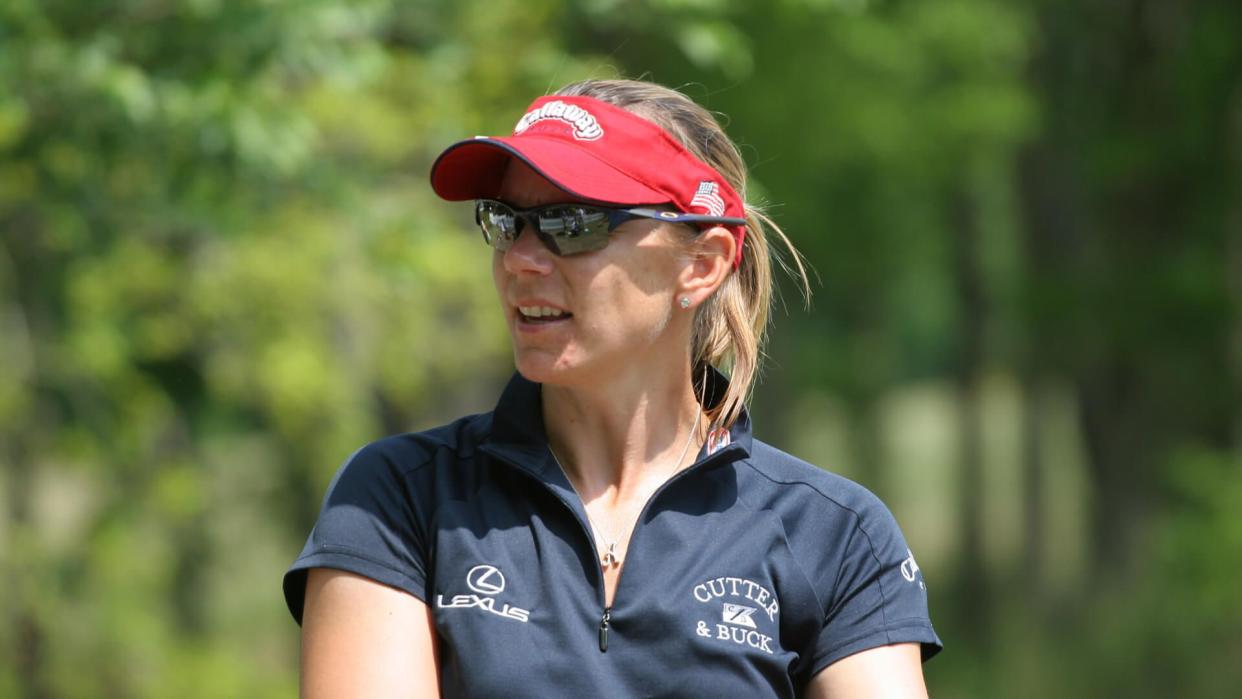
point(746, 573)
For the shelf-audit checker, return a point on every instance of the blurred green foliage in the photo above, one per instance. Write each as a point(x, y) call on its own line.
point(221, 270)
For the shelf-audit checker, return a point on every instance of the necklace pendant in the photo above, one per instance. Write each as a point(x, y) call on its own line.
point(610, 556)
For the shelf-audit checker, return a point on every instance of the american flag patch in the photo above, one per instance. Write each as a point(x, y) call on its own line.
point(708, 197)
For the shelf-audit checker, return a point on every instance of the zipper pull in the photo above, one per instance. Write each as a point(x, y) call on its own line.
point(603, 630)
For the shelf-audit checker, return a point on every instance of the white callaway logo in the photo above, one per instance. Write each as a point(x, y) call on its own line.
point(909, 569)
point(586, 128)
point(487, 580)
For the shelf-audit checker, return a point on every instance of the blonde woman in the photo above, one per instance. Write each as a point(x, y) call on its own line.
point(611, 529)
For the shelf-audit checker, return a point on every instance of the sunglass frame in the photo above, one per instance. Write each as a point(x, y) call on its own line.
point(565, 240)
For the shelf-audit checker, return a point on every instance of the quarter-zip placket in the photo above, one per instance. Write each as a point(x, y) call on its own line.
point(605, 622)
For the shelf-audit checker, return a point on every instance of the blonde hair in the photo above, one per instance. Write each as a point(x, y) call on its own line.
point(730, 328)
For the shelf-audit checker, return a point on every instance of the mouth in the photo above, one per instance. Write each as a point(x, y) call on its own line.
point(542, 315)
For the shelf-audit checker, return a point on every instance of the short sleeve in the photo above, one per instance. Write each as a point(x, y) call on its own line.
point(369, 525)
point(879, 597)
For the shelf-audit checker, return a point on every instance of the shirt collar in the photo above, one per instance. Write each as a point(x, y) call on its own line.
point(519, 437)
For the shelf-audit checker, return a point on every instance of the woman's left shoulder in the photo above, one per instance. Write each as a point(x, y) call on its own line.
point(780, 476)
point(851, 549)
point(823, 514)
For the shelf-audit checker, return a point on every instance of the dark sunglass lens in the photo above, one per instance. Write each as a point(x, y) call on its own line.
point(499, 224)
point(574, 229)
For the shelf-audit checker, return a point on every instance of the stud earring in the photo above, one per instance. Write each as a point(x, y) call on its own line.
point(685, 301)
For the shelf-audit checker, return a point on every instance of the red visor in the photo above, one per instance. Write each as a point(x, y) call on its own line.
point(596, 152)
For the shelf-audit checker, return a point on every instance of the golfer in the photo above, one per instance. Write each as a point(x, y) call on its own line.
point(611, 528)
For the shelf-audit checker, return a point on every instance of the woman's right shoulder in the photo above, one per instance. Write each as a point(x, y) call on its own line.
point(379, 509)
point(448, 445)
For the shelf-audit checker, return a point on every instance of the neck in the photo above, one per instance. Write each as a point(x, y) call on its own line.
point(620, 439)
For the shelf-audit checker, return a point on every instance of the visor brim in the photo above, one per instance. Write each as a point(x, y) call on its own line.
point(474, 169)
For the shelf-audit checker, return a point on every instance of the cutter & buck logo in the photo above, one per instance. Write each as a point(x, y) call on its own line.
point(747, 608)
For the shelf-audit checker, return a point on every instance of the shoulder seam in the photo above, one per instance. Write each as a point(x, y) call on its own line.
point(858, 526)
point(433, 449)
point(431, 456)
point(836, 582)
point(879, 578)
point(812, 486)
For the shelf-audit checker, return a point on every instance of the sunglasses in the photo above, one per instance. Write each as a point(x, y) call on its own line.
point(570, 229)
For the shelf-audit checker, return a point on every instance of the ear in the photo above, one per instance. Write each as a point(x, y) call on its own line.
point(710, 263)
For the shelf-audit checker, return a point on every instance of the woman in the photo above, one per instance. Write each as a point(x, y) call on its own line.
point(485, 558)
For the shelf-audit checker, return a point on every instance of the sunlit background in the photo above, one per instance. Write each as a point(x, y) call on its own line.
point(222, 270)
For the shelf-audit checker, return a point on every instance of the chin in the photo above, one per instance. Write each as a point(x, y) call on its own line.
point(542, 368)
point(548, 368)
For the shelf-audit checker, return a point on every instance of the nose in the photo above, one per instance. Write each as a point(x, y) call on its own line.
point(528, 254)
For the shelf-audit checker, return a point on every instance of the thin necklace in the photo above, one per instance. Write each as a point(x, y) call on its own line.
point(610, 557)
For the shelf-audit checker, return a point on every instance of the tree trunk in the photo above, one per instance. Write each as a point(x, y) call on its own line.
point(974, 582)
point(29, 638)
point(1234, 269)
point(21, 258)
point(1032, 465)
point(1121, 454)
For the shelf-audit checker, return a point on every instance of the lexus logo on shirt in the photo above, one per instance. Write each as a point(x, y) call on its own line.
point(485, 579)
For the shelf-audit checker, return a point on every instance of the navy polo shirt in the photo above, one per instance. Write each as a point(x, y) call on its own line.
point(746, 573)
